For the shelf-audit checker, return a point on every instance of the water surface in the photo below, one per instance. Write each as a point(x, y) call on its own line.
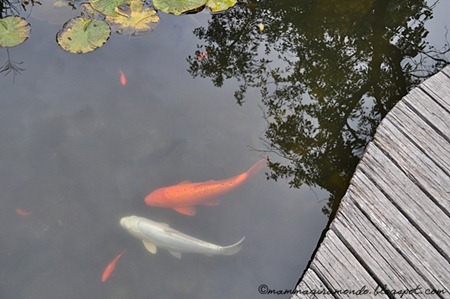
point(79, 150)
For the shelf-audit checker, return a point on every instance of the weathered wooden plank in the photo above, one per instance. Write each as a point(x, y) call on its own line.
point(438, 88)
point(429, 110)
point(412, 202)
point(340, 270)
point(377, 254)
point(311, 287)
point(393, 224)
point(407, 240)
point(421, 134)
point(415, 164)
point(446, 70)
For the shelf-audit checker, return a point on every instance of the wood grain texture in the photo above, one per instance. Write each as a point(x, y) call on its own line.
point(393, 225)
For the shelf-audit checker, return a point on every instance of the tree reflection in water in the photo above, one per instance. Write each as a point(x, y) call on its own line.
point(327, 72)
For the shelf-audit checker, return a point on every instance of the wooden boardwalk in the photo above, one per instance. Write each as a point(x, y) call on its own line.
point(391, 234)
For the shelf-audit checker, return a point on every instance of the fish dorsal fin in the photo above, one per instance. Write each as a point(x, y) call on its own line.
point(150, 246)
point(175, 254)
point(189, 211)
point(184, 182)
point(211, 202)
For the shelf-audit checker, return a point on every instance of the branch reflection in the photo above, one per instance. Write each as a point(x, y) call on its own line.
point(327, 73)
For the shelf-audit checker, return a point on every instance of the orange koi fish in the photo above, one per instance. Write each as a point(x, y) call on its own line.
point(185, 195)
point(22, 213)
point(123, 78)
point(110, 268)
point(202, 55)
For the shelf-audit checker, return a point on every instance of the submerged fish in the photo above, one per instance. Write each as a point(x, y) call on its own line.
point(185, 195)
point(202, 55)
point(154, 234)
point(111, 266)
point(22, 213)
point(123, 78)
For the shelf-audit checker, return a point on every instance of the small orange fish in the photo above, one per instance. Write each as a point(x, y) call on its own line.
point(22, 213)
point(123, 78)
point(110, 268)
point(185, 195)
point(202, 55)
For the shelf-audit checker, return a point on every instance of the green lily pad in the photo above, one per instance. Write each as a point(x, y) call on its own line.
point(13, 31)
point(107, 7)
point(134, 18)
point(177, 7)
point(81, 35)
point(220, 5)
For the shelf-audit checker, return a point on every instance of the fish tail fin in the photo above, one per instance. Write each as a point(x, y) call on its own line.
point(233, 249)
point(258, 166)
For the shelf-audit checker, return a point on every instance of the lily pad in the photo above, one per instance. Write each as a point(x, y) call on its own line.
point(134, 18)
point(13, 31)
point(107, 7)
point(82, 35)
point(177, 7)
point(220, 5)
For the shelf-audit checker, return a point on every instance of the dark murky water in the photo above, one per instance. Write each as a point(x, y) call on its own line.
point(79, 150)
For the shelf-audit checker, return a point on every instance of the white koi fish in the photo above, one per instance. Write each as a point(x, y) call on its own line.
point(155, 234)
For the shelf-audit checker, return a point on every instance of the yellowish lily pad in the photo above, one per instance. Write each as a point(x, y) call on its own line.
point(220, 5)
point(13, 31)
point(82, 35)
point(178, 7)
point(134, 18)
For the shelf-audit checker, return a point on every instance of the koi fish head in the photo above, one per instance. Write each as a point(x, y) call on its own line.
point(130, 224)
point(156, 198)
point(143, 228)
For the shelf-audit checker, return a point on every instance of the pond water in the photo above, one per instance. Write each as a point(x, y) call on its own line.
point(79, 149)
